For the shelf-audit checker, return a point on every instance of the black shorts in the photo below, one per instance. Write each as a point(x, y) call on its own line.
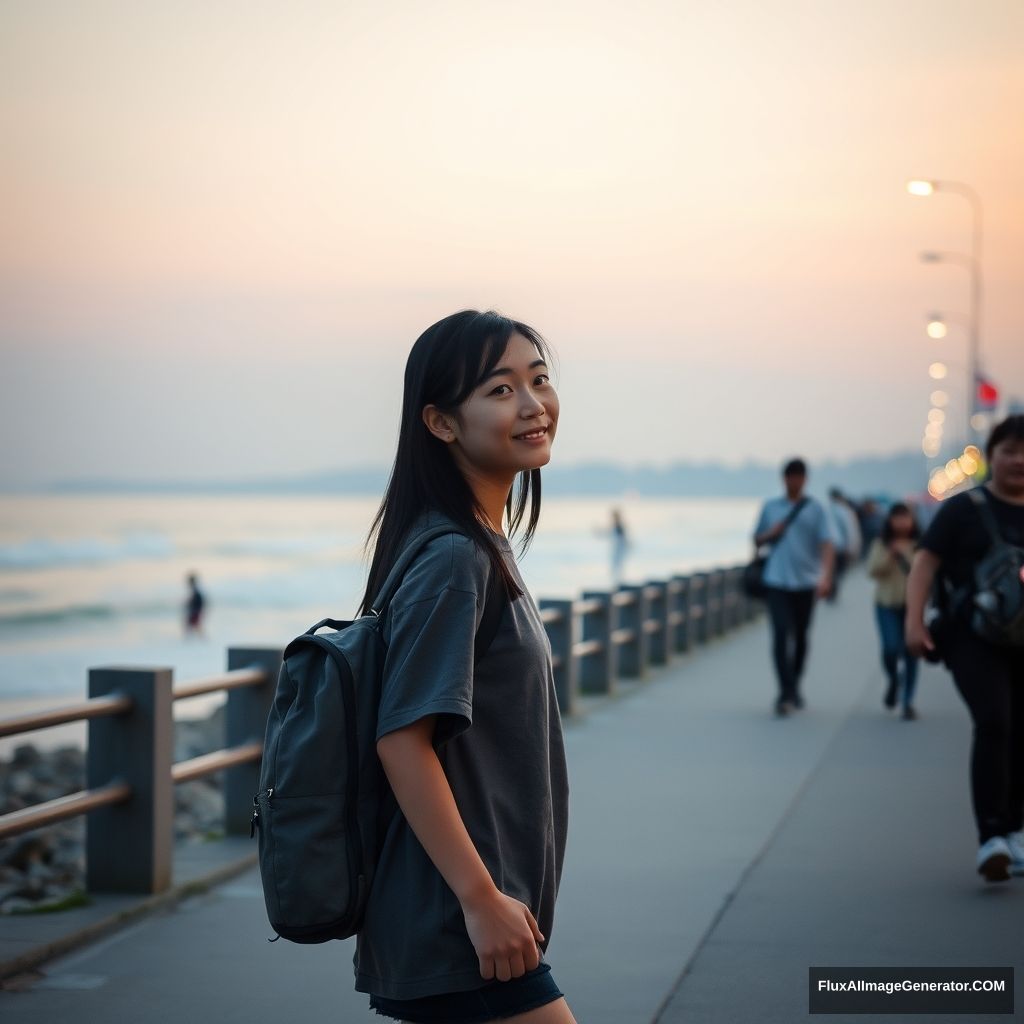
point(494, 1000)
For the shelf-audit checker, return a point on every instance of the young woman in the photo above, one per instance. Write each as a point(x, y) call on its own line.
point(461, 908)
point(990, 678)
point(889, 560)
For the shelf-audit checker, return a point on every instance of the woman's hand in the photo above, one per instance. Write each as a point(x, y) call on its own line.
point(504, 934)
point(917, 637)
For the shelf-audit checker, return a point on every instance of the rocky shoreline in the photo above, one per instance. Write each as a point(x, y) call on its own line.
point(44, 870)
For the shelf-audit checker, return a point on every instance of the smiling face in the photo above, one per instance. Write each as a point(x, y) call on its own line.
point(488, 432)
point(1008, 465)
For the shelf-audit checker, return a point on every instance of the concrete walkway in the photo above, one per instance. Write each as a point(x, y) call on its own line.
point(715, 853)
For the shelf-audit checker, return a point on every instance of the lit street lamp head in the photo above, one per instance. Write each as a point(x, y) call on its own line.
point(920, 187)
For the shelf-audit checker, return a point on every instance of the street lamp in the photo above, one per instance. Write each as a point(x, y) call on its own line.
point(928, 187)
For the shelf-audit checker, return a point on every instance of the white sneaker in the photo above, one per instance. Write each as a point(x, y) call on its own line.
point(1015, 841)
point(994, 859)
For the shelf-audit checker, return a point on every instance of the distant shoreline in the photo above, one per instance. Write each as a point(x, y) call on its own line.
point(900, 473)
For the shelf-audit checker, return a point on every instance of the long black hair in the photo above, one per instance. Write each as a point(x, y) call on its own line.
point(899, 508)
point(448, 360)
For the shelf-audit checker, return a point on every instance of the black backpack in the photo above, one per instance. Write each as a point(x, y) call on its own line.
point(997, 611)
point(324, 802)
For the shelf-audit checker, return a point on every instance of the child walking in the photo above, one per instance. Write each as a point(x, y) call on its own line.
point(473, 840)
point(889, 560)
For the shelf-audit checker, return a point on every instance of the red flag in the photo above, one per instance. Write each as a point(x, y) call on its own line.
point(986, 396)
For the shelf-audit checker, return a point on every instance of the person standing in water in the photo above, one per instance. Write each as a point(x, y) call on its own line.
point(194, 606)
point(460, 912)
point(620, 545)
point(889, 559)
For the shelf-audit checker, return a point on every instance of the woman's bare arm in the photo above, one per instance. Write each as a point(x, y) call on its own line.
point(503, 930)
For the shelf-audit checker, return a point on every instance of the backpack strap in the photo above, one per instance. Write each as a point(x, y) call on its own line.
point(985, 512)
point(493, 607)
point(790, 516)
point(405, 559)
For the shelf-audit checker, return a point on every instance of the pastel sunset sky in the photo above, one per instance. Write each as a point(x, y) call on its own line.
point(224, 224)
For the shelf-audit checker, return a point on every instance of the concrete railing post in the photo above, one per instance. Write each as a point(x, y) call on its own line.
point(598, 670)
point(716, 601)
point(245, 719)
point(660, 651)
point(129, 845)
point(699, 608)
point(633, 657)
point(735, 597)
point(562, 635)
point(681, 603)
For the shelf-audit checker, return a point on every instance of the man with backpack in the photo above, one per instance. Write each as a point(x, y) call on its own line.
point(973, 553)
point(798, 570)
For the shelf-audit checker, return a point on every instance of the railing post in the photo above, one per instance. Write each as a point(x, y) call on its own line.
point(733, 598)
point(633, 654)
point(660, 649)
point(129, 846)
point(681, 603)
point(245, 719)
point(716, 601)
point(562, 636)
point(699, 607)
point(598, 670)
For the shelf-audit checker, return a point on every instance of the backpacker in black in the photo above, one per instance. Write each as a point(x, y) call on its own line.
point(997, 613)
point(322, 786)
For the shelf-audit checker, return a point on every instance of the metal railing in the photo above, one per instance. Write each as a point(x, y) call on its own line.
point(595, 640)
point(130, 773)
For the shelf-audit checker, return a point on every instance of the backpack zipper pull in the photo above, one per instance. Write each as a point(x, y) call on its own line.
point(254, 821)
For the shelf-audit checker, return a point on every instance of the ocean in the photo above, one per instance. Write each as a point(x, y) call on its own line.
point(99, 580)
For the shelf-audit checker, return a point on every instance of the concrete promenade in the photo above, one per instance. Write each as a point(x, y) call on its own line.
point(715, 853)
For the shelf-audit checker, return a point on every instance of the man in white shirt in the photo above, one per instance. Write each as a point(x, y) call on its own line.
point(799, 568)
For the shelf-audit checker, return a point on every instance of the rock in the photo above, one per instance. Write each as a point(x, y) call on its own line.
point(26, 851)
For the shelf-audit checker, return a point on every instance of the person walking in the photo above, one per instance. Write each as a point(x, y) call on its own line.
point(620, 545)
point(889, 560)
point(848, 535)
point(798, 570)
point(988, 676)
point(461, 909)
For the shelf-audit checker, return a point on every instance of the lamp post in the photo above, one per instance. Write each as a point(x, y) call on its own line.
point(926, 187)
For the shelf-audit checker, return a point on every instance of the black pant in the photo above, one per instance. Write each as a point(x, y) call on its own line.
point(991, 681)
point(790, 612)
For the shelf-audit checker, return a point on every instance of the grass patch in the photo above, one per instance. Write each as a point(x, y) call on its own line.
point(75, 899)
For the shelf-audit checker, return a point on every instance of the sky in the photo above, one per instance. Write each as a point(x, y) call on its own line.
point(224, 224)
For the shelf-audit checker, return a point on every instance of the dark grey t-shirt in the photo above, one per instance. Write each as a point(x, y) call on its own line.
point(499, 740)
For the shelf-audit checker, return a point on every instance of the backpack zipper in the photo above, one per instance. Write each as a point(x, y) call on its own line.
point(254, 822)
